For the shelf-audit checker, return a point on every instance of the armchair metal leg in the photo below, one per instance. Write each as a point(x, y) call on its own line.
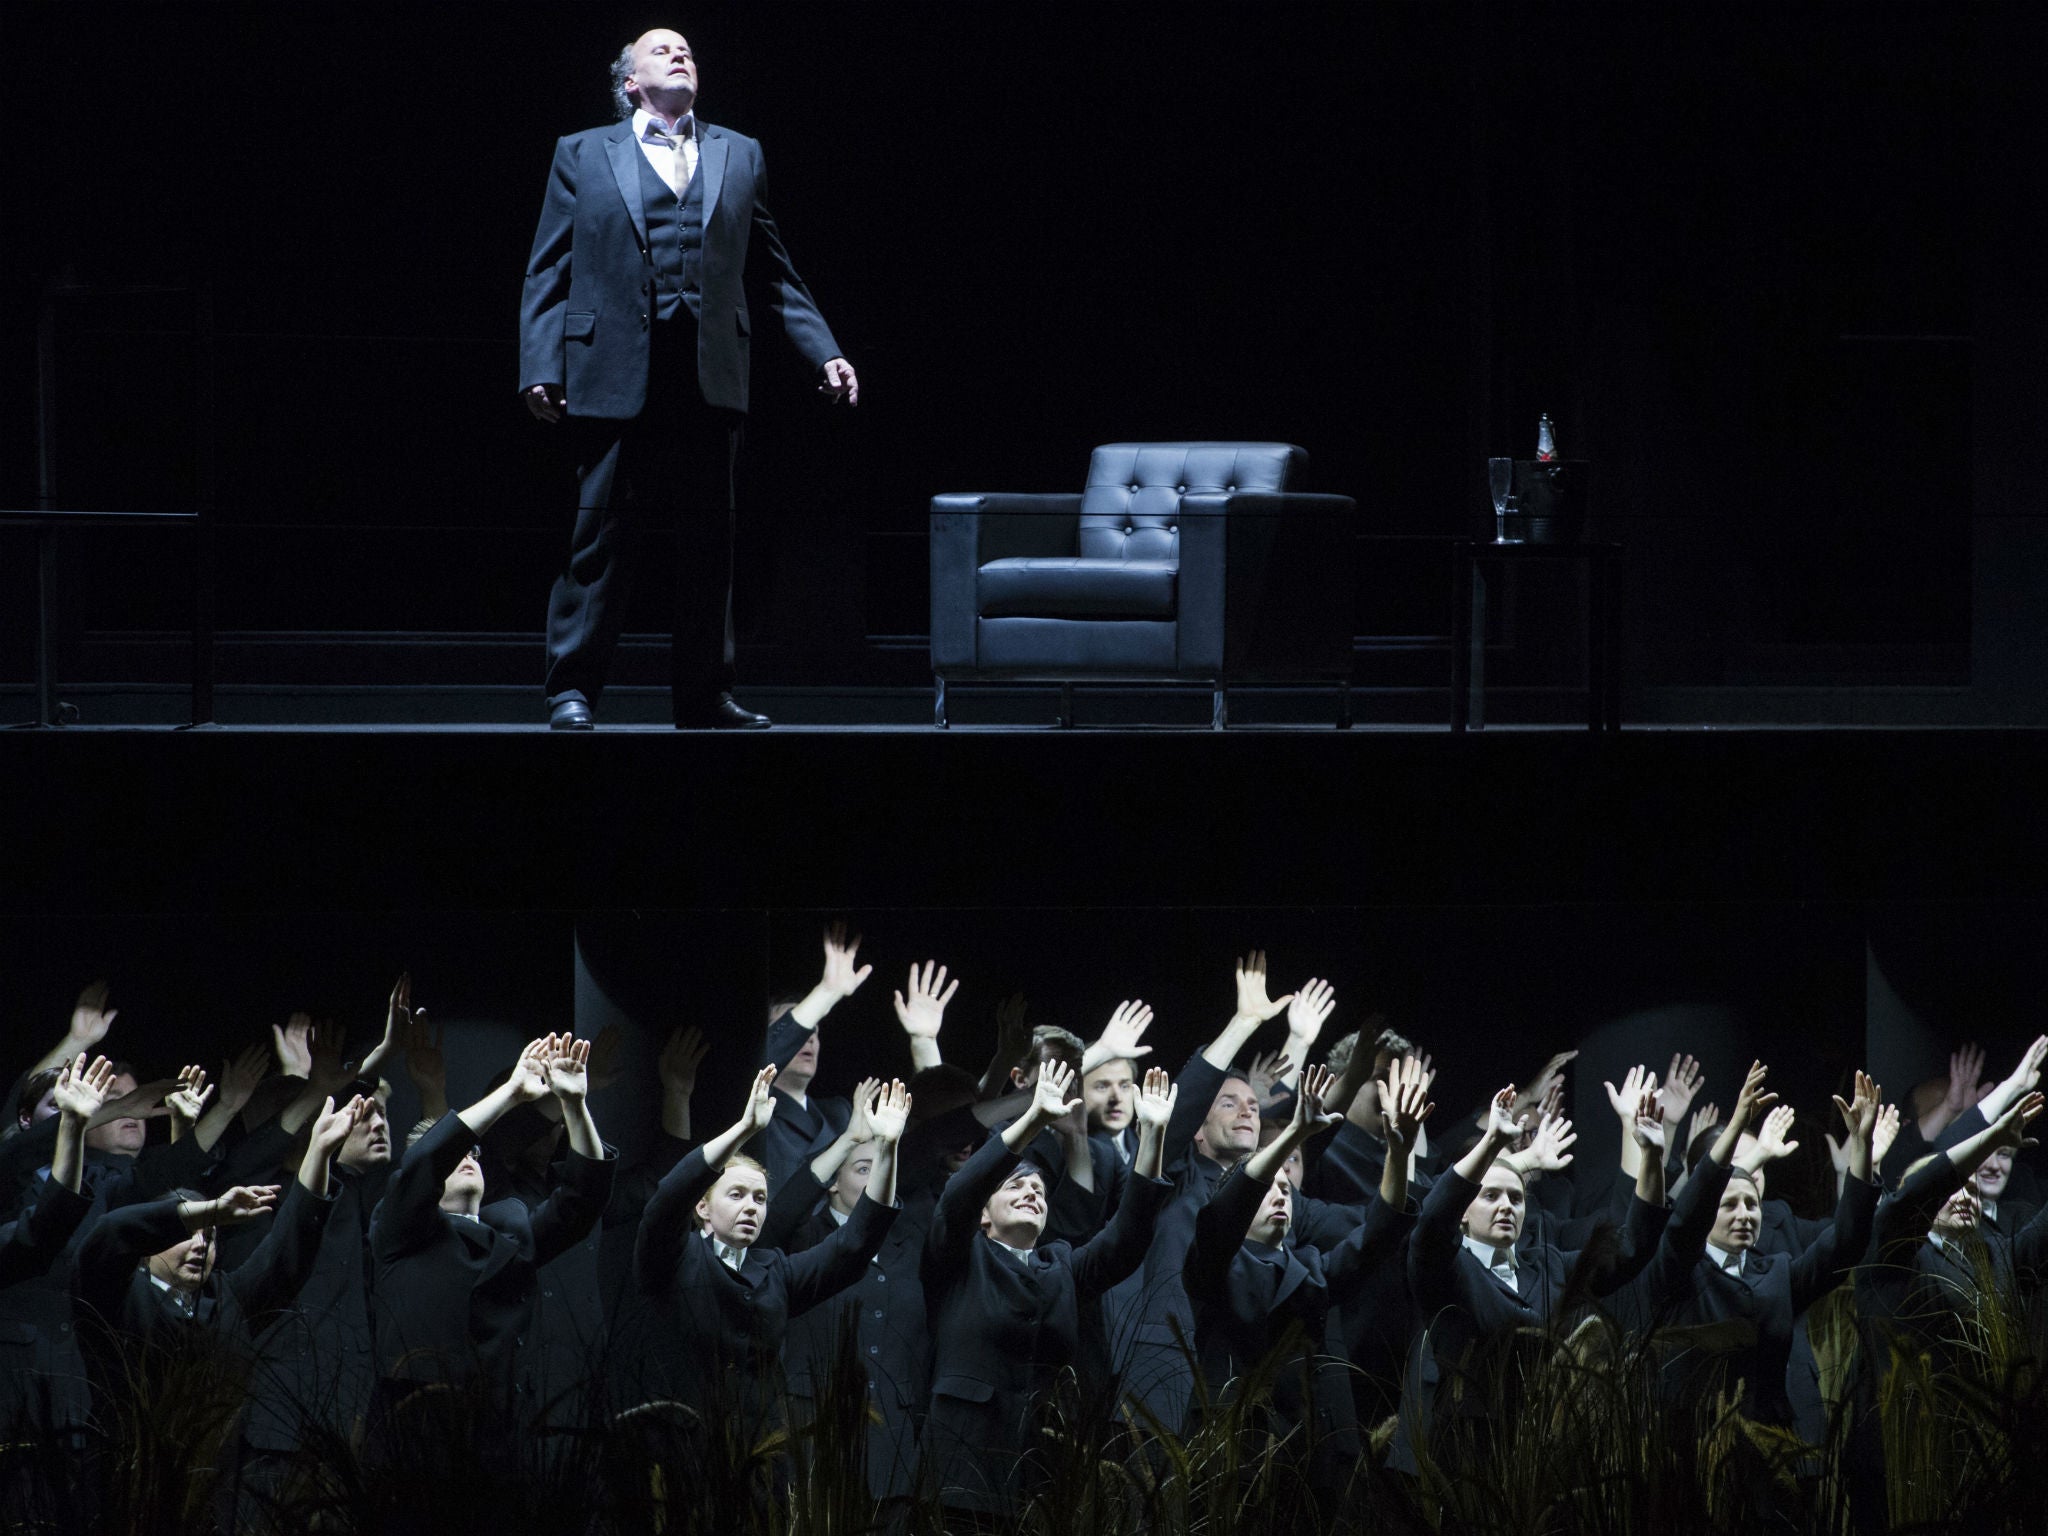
point(1066, 706)
point(938, 702)
point(1344, 707)
point(1219, 711)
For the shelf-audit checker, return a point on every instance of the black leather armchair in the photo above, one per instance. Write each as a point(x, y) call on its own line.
point(1185, 562)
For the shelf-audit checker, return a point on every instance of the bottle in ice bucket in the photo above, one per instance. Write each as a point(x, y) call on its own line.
point(1546, 442)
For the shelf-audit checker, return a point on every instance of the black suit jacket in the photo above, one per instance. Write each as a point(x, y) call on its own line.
point(455, 1297)
point(715, 1335)
point(236, 1302)
point(1003, 1328)
point(585, 316)
point(42, 1374)
point(1683, 1288)
point(882, 1315)
point(1247, 1295)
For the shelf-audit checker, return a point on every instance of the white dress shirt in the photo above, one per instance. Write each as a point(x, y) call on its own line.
point(1726, 1259)
point(664, 150)
point(1499, 1261)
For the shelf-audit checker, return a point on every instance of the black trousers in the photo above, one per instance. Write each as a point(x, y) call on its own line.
point(672, 466)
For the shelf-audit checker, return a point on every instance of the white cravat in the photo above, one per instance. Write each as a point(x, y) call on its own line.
point(1500, 1262)
point(1725, 1259)
point(673, 155)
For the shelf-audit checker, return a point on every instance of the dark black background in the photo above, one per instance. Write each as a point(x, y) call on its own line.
point(1735, 251)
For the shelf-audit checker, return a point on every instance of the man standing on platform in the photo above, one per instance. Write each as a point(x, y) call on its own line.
point(633, 336)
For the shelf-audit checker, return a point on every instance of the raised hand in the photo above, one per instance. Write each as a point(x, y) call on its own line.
point(91, 1018)
point(1623, 1100)
point(841, 978)
point(1404, 1102)
point(1884, 1134)
point(1013, 1033)
point(1774, 1139)
point(1648, 1125)
point(1267, 1069)
point(2010, 1129)
point(680, 1058)
point(760, 1102)
point(923, 1012)
point(1860, 1113)
point(1753, 1099)
point(293, 1042)
point(1316, 1081)
point(187, 1102)
point(1500, 1116)
point(1705, 1118)
point(1120, 1037)
point(1156, 1097)
point(243, 1203)
point(1549, 1081)
point(529, 1079)
point(1965, 1069)
point(331, 1126)
point(330, 1071)
point(424, 1062)
point(81, 1090)
point(861, 1127)
point(1550, 1150)
point(567, 1065)
point(887, 1113)
point(1682, 1083)
point(397, 1025)
point(1309, 1010)
point(240, 1077)
point(1252, 1003)
point(1049, 1099)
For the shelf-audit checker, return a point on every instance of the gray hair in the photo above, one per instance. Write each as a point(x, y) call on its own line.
point(622, 66)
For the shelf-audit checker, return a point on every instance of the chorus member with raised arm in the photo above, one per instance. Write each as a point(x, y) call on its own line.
point(42, 1374)
point(1931, 1259)
point(805, 1124)
point(1252, 1284)
point(1707, 1270)
point(149, 1268)
point(1473, 1287)
point(1215, 1127)
point(719, 1304)
point(2001, 1212)
point(455, 1279)
point(881, 1314)
point(1006, 1307)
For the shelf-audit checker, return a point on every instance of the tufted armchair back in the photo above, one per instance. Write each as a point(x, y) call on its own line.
point(1131, 507)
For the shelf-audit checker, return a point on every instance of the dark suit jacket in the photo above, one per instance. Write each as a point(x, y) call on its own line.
point(1247, 1295)
point(585, 315)
point(1002, 1329)
point(883, 1315)
point(42, 1374)
point(1463, 1305)
point(1683, 1288)
point(236, 1302)
point(455, 1297)
point(715, 1335)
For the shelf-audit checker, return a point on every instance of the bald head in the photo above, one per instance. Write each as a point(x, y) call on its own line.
point(660, 73)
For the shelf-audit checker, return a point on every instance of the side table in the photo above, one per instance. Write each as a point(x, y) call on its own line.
point(1469, 559)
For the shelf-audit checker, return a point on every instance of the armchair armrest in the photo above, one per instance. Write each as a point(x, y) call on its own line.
point(1266, 582)
point(971, 528)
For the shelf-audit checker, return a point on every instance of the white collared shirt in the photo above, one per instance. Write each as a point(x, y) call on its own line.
point(185, 1301)
point(661, 155)
point(1023, 1254)
point(1499, 1261)
point(1730, 1260)
point(732, 1258)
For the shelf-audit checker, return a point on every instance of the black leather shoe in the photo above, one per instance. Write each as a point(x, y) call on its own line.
point(722, 714)
point(571, 715)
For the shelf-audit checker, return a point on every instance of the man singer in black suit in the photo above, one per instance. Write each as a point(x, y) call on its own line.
point(633, 338)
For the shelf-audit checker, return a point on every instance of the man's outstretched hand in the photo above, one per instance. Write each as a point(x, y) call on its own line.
point(839, 383)
point(546, 402)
